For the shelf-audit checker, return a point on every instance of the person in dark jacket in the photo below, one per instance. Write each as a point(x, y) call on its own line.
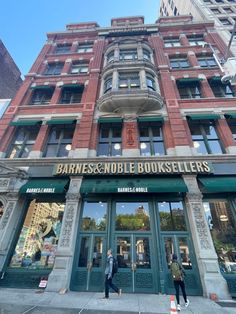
point(177, 273)
point(109, 275)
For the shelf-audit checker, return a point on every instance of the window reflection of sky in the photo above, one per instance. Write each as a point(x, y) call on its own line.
point(95, 211)
point(128, 208)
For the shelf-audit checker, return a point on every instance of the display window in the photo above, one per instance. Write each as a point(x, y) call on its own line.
point(39, 236)
point(221, 222)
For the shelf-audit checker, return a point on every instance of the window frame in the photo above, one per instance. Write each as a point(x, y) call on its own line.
point(179, 63)
point(151, 139)
point(170, 42)
point(189, 92)
point(207, 61)
point(85, 48)
point(221, 90)
point(110, 140)
point(59, 49)
point(41, 96)
point(54, 68)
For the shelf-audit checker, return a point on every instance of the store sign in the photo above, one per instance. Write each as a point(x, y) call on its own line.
point(40, 190)
point(129, 168)
point(132, 190)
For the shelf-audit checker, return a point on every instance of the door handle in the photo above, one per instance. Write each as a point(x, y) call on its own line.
point(89, 266)
point(134, 266)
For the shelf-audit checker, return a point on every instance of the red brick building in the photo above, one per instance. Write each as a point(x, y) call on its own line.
point(128, 135)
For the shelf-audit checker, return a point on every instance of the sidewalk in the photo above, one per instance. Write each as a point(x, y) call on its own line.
point(18, 301)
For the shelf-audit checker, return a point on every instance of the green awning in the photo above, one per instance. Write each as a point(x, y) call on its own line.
point(61, 121)
point(188, 80)
point(110, 120)
point(215, 79)
point(230, 115)
point(204, 116)
point(44, 186)
point(73, 86)
point(150, 119)
point(218, 184)
point(25, 122)
point(42, 87)
point(144, 185)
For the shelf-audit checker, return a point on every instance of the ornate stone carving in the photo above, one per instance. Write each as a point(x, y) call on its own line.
point(4, 183)
point(75, 197)
point(130, 133)
point(66, 232)
point(6, 171)
point(201, 226)
point(6, 214)
point(12, 196)
point(194, 197)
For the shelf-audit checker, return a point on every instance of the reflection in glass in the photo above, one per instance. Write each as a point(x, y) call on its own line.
point(123, 252)
point(184, 253)
point(169, 250)
point(143, 253)
point(97, 252)
point(172, 216)
point(132, 216)
point(84, 251)
point(94, 216)
point(223, 231)
point(38, 240)
point(1, 209)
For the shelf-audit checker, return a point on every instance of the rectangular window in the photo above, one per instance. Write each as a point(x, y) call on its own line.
point(42, 96)
point(54, 69)
point(205, 137)
point(85, 48)
point(207, 62)
point(225, 21)
point(78, 68)
point(221, 90)
point(196, 40)
point(151, 139)
point(189, 89)
point(128, 55)
point(94, 216)
point(110, 139)
point(129, 80)
point(172, 216)
point(228, 10)
point(172, 42)
point(38, 240)
point(215, 11)
point(59, 141)
point(179, 63)
point(71, 95)
point(23, 142)
point(64, 48)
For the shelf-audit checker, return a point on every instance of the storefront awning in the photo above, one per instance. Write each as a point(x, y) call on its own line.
point(25, 122)
point(231, 115)
point(150, 119)
point(61, 121)
point(110, 120)
point(203, 116)
point(123, 185)
point(218, 184)
point(42, 87)
point(44, 186)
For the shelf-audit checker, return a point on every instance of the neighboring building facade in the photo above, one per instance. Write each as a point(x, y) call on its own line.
point(223, 12)
point(10, 76)
point(121, 137)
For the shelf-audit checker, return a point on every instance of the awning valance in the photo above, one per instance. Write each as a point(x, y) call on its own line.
point(25, 122)
point(61, 121)
point(76, 86)
point(44, 186)
point(150, 119)
point(122, 185)
point(42, 87)
point(110, 120)
point(203, 116)
point(215, 80)
point(188, 80)
point(218, 184)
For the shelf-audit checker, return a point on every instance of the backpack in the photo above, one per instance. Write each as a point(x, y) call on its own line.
point(115, 266)
point(176, 271)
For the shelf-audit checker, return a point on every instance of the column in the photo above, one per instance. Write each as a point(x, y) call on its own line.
point(142, 75)
point(211, 278)
point(61, 273)
point(140, 51)
point(115, 80)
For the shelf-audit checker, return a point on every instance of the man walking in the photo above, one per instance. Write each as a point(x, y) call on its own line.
point(108, 276)
point(177, 273)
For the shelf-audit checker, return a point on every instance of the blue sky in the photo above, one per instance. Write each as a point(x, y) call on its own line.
point(24, 24)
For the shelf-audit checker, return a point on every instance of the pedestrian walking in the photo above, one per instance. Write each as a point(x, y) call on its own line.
point(109, 273)
point(177, 273)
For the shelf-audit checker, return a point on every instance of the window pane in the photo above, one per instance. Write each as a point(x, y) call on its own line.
point(184, 253)
point(27, 149)
point(103, 149)
point(143, 259)
point(178, 216)
point(145, 149)
point(132, 216)
point(1, 209)
point(116, 149)
point(39, 236)
point(158, 148)
point(165, 217)
point(84, 251)
point(97, 252)
point(123, 252)
point(94, 216)
point(63, 150)
point(223, 231)
point(169, 250)
point(215, 147)
point(14, 153)
point(51, 150)
point(201, 147)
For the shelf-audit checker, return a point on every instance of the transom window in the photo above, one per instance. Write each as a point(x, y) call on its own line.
point(129, 80)
point(172, 42)
point(172, 216)
point(71, 94)
point(59, 141)
point(78, 68)
point(189, 89)
point(177, 63)
point(207, 62)
point(128, 55)
point(151, 139)
point(205, 137)
point(85, 48)
point(42, 96)
point(196, 40)
point(221, 90)
point(23, 142)
point(110, 139)
point(54, 69)
point(63, 48)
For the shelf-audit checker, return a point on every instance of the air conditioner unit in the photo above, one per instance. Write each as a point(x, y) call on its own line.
point(230, 71)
